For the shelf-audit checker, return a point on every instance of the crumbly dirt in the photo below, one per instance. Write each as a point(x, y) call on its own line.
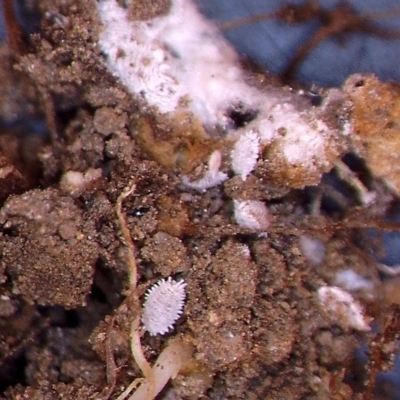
point(252, 312)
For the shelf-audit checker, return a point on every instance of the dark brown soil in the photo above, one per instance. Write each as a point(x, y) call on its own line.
point(252, 312)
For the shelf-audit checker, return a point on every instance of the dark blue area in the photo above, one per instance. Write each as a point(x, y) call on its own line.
point(272, 43)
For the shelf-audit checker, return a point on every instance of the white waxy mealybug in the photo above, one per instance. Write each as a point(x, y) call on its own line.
point(251, 214)
point(343, 308)
point(212, 177)
point(245, 153)
point(163, 306)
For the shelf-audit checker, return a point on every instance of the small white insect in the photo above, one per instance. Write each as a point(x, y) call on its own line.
point(212, 177)
point(163, 306)
point(251, 214)
point(343, 308)
point(245, 154)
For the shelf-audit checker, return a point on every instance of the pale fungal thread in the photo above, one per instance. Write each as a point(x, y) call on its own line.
point(179, 62)
point(163, 306)
point(173, 57)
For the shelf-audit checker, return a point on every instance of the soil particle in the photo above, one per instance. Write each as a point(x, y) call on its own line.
point(107, 121)
point(275, 331)
point(58, 391)
point(8, 307)
point(253, 188)
point(146, 9)
point(167, 253)
point(48, 248)
point(229, 292)
point(119, 146)
point(11, 180)
point(274, 275)
point(334, 350)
